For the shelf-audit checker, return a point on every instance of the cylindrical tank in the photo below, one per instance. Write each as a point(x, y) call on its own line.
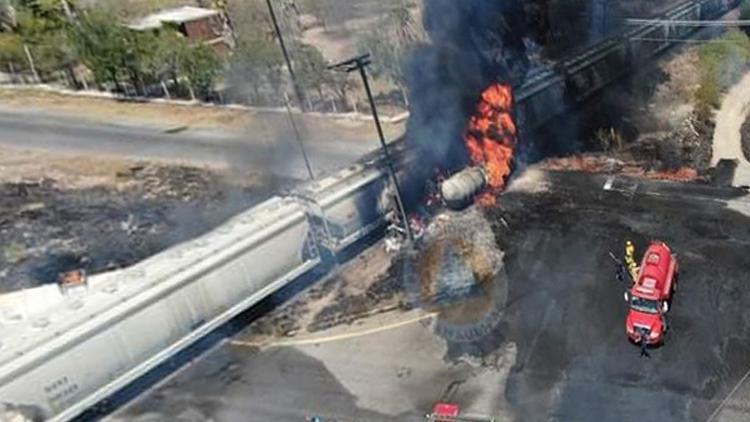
point(460, 189)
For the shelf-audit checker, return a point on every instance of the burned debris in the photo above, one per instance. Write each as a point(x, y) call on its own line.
point(47, 228)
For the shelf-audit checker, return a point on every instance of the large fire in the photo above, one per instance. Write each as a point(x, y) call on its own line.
point(491, 138)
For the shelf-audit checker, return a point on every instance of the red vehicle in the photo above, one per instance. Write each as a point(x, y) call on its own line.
point(650, 296)
point(449, 412)
point(444, 412)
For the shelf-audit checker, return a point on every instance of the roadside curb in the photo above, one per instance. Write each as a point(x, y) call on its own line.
point(344, 332)
point(399, 118)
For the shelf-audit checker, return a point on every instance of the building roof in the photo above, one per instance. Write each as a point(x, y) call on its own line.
point(178, 15)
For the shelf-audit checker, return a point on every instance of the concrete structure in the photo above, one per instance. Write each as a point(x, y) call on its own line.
point(196, 23)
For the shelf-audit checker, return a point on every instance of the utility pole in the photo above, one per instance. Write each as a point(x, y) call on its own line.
point(360, 64)
point(32, 66)
point(297, 89)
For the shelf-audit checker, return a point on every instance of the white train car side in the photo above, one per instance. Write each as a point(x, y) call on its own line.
point(349, 205)
point(85, 347)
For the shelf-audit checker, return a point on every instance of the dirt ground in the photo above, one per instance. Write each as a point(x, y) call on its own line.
point(357, 289)
point(728, 143)
point(112, 110)
point(561, 312)
point(61, 212)
point(673, 98)
point(566, 312)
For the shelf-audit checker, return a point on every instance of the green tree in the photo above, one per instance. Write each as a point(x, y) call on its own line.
point(391, 43)
point(721, 63)
point(43, 28)
point(11, 49)
point(745, 13)
point(116, 53)
point(139, 58)
point(321, 9)
point(342, 85)
point(7, 16)
point(250, 19)
point(312, 69)
point(102, 46)
point(257, 62)
point(49, 12)
point(202, 66)
point(167, 59)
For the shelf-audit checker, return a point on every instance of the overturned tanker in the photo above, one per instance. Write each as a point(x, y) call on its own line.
point(462, 188)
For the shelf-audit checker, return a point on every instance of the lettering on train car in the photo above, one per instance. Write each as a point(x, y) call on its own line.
point(61, 392)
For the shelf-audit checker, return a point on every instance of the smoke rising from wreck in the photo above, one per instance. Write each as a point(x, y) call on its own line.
point(473, 44)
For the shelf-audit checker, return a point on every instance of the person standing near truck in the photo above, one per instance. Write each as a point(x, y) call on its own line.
point(630, 259)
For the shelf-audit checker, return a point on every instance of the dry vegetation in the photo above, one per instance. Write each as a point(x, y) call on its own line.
point(62, 212)
point(181, 117)
point(106, 109)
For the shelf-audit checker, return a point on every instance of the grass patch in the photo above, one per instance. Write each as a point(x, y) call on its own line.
point(721, 64)
point(14, 253)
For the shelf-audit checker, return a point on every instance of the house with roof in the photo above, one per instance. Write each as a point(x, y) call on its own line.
point(197, 24)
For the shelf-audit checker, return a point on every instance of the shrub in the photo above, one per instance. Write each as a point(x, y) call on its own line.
point(721, 63)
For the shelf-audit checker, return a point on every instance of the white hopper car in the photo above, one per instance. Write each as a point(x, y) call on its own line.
point(60, 354)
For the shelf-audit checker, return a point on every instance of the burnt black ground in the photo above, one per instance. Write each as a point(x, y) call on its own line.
point(563, 309)
point(46, 229)
point(566, 312)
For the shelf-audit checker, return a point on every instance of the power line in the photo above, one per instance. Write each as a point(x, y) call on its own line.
point(295, 82)
point(669, 22)
point(682, 40)
point(360, 64)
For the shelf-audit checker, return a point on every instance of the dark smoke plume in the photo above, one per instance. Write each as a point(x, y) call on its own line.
point(473, 43)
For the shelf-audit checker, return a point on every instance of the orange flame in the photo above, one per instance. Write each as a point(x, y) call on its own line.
point(491, 138)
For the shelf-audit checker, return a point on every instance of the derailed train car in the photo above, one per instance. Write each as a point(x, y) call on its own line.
point(61, 353)
point(81, 347)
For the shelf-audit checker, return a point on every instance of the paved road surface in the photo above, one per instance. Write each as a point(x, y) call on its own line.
point(562, 327)
point(391, 375)
point(567, 314)
point(29, 128)
point(729, 119)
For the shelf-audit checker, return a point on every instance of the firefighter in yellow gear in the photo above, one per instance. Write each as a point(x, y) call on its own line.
point(630, 259)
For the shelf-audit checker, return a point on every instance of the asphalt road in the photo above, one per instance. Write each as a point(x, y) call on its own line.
point(727, 140)
point(566, 311)
point(559, 330)
point(30, 128)
point(392, 374)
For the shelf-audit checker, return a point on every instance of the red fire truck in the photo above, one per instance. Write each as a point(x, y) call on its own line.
point(448, 412)
point(650, 297)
